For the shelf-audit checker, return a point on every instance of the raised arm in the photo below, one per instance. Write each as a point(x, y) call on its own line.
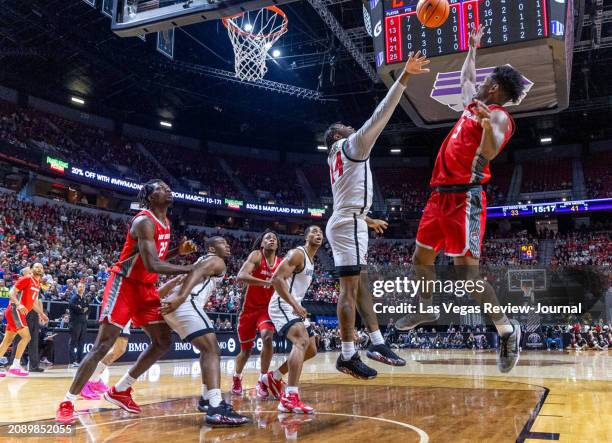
point(290, 264)
point(245, 274)
point(361, 142)
point(468, 71)
point(495, 125)
point(185, 247)
point(144, 230)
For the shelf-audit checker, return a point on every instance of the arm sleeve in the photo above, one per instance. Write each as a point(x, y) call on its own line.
point(361, 142)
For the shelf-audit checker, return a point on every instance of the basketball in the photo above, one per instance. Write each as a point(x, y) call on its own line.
point(433, 13)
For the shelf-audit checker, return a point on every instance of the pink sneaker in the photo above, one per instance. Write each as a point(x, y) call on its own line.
point(99, 386)
point(88, 393)
point(2, 374)
point(262, 390)
point(18, 372)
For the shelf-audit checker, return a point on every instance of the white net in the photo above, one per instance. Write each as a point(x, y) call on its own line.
point(252, 35)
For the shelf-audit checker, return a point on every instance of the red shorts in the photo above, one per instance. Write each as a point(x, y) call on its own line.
point(251, 321)
point(454, 222)
point(15, 319)
point(126, 299)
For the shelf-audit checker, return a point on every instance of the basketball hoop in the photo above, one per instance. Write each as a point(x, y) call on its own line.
point(252, 34)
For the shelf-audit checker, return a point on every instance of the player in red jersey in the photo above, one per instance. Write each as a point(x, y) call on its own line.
point(455, 214)
point(23, 299)
point(130, 294)
point(256, 272)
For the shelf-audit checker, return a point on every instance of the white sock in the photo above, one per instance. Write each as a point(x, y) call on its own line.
point(503, 326)
point(214, 397)
point(377, 338)
point(16, 364)
point(125, 382)
point(277, 375)
point(263, 377)
point(70, 397)
point(95, 377)
point(290, 389)
point(204, 391)
point(348, 349)
point(238, 375)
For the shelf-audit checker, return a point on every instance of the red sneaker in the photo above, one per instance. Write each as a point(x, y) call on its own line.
point(262, 390)
point(65, 413)
point(291, 403)
point(88, 392)
point(276, 387)
point(99, 386)
point(236, 385)
point(123, 399)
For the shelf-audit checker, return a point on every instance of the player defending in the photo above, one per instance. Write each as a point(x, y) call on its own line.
point(23, 298)
point(256, 272)
point(347, 229)
point(455, 214)
point(183, 310)
point(291, 281)
point(130, 294)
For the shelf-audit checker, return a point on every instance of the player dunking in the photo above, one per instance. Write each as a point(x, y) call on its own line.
point(455, 214)
point(183, 309)
point(291, 281)
point(23, 299)
point(347, 229)
point(256, 272)
point(130, 294)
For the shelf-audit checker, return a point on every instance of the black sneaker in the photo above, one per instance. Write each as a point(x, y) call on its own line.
point(411, 321)
point(36, 370)
point(509, 348)
point(202, 404)
point(224, 415)
point(384, 354)
point(355, 367)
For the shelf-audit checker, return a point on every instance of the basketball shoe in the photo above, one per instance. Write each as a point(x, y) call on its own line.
point(65, 413)
point(237, 385)
point(203, 404)
point(355, 367)
point(89, 393)
point(123, 399)
point(382, 353)
point(275, 387)
point(291, 403)
point(411, 321)
point(99, 386)
point(224, 415)
point(262, 390)
point(509, 349)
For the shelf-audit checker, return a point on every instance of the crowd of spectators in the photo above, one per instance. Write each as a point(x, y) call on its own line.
point(584, 248)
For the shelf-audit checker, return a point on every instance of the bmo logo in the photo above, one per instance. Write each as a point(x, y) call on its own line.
point(259, 344)
point(138, 347)
point(231, 345)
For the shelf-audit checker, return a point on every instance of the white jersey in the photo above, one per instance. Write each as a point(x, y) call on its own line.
point(202, 291)
point(351, 181)
point(299, 282)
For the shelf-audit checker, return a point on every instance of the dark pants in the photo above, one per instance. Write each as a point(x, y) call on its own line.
point(77, 340)
point(47, 348)
point(31, 353)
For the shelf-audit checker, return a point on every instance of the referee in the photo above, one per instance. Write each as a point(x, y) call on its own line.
point(79, 308)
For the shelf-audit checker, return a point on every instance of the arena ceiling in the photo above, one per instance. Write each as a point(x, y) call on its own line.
point(58, 48)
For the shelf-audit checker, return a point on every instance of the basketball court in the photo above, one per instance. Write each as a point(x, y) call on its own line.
point(438, 396)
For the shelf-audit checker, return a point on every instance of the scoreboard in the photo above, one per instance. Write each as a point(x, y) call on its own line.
point(534, 36)
point(550, 208)
point(505, 22)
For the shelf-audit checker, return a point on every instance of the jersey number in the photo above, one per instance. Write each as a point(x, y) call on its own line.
point(162, 248)
point(458, 130)
point(337, 168)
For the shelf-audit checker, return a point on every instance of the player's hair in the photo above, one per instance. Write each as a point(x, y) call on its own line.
point(510, 80)
point(257, 243)
point(330, 133)
point(307, 230)
point(146, 191)
point(210, 242)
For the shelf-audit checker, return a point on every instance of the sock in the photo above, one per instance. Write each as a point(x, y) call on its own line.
point(262, 377)
point(348, 349)
point(214, 397)
point(95, 377)
point(277, 375)
point(377, 338)
point(16, 364)
point(290, 389)
point(125, 382)
point(238, 375)
point(204, 391)
point(70, 397)
point(503, 325)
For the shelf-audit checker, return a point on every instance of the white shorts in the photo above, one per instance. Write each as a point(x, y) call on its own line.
point(348, 238)
point(282, 316)
point(189, 320)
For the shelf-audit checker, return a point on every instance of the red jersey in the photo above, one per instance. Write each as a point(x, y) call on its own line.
point(458, 161)
point(130, 264)
point(28, 288)
point(258, 297)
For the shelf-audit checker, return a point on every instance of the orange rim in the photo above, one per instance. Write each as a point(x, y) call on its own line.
point(227, 22)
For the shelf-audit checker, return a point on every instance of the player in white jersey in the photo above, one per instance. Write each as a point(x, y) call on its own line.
point(291, 280)
point(347, 229)
point(182, 305)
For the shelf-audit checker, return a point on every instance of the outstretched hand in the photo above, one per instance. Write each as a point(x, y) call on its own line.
point(415, 64)
point(475, 36)
point(186, 247)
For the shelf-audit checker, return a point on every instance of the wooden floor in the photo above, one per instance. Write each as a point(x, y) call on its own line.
point(440, 396)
